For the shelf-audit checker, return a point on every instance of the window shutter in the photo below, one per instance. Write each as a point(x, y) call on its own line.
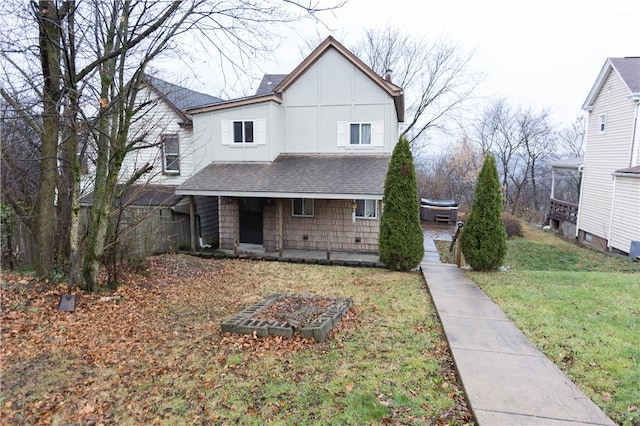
point(377, 137)
point(226, 127)
point(260, 131)
point(343, 133)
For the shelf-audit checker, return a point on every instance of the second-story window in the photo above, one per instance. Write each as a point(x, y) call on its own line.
point(360, 134)
point(243, 132)
point(170, 154)
point(602, 123)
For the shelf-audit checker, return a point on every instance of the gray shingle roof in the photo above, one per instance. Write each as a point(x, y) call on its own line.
point(629, 70)
point(342, 176)
point(181, 97)
point(268, 83)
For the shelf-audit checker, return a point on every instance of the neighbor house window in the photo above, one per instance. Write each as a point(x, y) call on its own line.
point(170, 154)
point(603, 122)
point(360, 134)
point(243, 132)
point(366, 209)
point(302, 207)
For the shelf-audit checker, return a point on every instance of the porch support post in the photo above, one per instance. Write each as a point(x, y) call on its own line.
point(280, 226)
point(192, 221)
point(553, 182)
point(235, 203)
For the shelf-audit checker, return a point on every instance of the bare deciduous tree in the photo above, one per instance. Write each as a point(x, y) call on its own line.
point(435, 74)
point(93, 56)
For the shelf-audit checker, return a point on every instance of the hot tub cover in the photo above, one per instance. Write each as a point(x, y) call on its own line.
point(438, 203)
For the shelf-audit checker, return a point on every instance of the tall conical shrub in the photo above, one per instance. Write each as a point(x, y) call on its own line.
point(401, 237)
point(484, 239)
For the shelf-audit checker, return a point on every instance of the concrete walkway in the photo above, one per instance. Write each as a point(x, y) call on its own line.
point(507, 380)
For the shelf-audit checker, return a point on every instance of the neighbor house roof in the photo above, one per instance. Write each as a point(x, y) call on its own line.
point(294, 176)
point(178, 97)
point(568, 163)
point(628, 171)
point(268, 83)
point(262, 94)
point(627, 68)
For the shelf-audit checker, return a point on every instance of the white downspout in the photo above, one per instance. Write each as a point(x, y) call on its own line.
point(633, 158)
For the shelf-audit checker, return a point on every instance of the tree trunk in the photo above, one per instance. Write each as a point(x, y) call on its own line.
point(45, 221)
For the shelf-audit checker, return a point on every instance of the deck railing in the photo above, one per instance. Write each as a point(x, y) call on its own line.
point(563, 211)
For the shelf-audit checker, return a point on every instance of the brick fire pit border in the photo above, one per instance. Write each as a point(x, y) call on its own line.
point(244, 322)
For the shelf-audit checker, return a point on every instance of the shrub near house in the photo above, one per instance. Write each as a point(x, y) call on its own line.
point(483, 239)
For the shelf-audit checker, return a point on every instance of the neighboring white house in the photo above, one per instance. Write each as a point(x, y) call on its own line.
point(302, 163)
point(609, 209)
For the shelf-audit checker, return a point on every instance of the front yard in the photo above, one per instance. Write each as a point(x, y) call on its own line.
point(152, 352)
point(582, 308)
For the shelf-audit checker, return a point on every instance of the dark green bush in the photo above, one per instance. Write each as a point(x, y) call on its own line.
point(484, 238)
point(512, 225)
point(401, 237)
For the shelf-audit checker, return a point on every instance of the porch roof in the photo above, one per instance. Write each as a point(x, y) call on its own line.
point(568, 163)
point(294, 176)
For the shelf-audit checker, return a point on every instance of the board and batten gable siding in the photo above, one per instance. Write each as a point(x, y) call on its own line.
point(625, 216)
point(214, 129)
point(334, 92)
point(158, 119)
point(605, 153)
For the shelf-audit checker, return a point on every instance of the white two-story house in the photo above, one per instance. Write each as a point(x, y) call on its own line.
point(302, 163)
point(609, 209)
point(152, 218)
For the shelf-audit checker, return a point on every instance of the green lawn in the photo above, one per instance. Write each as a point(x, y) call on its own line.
point(582, 308)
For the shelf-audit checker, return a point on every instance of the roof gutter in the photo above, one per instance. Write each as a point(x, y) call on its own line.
point(286, 195)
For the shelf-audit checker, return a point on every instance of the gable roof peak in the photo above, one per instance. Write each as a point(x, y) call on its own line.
point(626, 68)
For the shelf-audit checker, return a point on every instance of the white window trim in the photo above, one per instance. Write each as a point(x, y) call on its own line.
point(602, 123)
point(259, 132)
point(304, 201)
point(343, 136)
point(165, 164)
point(375, 210)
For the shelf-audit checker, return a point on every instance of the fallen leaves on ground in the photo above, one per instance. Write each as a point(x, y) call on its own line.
point(130, 348)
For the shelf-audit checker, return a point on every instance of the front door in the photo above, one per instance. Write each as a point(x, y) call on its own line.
point(250, 220)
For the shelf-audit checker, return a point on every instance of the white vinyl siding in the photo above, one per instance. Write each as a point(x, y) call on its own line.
point(158, 118)
point(605, 153)
point(625, 216)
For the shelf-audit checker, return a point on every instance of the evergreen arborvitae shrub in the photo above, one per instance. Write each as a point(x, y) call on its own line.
point(401, 236)
point(484, 238)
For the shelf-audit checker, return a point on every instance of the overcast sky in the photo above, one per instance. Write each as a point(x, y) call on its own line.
point(535, 53)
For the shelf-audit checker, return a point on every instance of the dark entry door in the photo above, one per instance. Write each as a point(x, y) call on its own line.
point(250, 220)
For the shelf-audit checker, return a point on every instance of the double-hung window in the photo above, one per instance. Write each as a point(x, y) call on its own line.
point(170, 154)
point(602, 123)
point(303, 207)
point(360, 133)
point(366, 209)
point(243, 132)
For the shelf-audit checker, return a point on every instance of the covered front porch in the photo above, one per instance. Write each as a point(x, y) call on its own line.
point(566, 177)
point(324, 203)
